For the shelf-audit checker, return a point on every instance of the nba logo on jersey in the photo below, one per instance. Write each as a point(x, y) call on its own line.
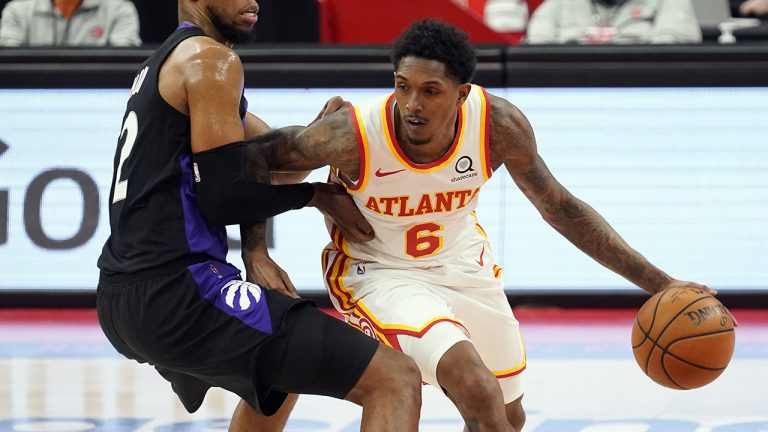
point(197, 172)
point(361, 269)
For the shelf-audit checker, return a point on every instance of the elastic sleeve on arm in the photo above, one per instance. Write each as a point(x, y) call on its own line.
point(227, 195)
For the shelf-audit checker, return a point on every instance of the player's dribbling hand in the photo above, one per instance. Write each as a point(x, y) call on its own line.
point(261, 269)
point(674, 283)
point(333, 201)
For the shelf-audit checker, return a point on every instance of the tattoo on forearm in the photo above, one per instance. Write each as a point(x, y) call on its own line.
point(538, 181)
point(293, 148)
point(260, 155)
point(583, 226)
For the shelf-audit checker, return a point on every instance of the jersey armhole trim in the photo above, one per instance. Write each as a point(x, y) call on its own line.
point(485, 134)
point(362, 145)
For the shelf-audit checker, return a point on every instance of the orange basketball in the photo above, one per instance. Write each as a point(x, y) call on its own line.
point(683, 338)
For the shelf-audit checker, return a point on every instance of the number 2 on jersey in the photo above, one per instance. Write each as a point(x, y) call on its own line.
point(130, 130)
point(421, 241)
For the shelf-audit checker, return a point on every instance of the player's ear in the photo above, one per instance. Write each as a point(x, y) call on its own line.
point(464, 92)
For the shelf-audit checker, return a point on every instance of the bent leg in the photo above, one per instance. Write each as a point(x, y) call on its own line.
point(516, 414)
point(390, 392)
point(317, 354)
point(246, 419)
point(473, 389)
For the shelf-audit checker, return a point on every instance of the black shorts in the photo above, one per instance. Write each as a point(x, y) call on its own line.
point(202, 327)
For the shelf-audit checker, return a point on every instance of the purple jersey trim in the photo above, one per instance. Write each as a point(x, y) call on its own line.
point(245, 111)
point(201, 236)
point(220, 284)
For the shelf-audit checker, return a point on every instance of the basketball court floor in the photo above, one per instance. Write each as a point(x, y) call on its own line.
point(59, 374)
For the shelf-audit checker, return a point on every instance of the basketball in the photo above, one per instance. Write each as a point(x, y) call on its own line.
point(683, 338)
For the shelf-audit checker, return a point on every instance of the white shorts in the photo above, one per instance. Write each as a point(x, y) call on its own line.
point(425, 311)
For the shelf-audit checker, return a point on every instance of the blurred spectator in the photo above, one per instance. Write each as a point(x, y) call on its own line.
point(613, 22)
point(69, 23)
point(159, 18)
point(288, 21)
point(506, 16)
point(757, 8)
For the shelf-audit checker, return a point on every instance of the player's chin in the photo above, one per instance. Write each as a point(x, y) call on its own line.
point(419, 138)
point(244, 27)
point(242, 35)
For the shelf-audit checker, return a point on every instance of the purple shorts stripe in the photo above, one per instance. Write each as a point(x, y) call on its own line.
point(220, 284)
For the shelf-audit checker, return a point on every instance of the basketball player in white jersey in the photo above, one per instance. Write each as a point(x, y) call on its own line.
point(414, 162)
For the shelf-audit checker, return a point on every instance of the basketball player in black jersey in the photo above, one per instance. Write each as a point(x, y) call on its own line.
point(166, 294)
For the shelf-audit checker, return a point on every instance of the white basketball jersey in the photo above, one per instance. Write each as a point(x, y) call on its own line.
point(423, 214)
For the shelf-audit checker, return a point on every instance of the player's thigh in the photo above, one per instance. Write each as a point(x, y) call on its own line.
point(406, 314)
point(315, 354)
point(200, 327)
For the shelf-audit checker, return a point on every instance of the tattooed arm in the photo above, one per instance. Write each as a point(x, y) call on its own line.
point(255, 126)
point(259, 266)
point(327, 141)
point(513, 144)
point(330, 140)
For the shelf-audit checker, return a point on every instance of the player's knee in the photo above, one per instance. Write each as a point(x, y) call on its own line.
point(402, 373)
point(516, 415)
point(475, 386)
point(389, 374)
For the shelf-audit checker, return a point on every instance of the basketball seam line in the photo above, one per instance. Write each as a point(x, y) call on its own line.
point(650, 328)
point(665, 351)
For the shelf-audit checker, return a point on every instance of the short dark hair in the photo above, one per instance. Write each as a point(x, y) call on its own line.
point(435, 40)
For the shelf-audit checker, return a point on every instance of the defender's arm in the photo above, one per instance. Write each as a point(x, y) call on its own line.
point(330, 140)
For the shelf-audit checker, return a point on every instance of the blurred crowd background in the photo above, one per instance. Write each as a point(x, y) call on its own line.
point(512, 22)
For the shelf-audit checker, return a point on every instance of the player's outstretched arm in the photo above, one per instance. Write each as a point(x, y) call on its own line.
point(513, 144)
point(255, 126)
point(330, 140)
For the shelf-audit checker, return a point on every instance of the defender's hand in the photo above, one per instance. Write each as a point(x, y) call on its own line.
point(333, 201)
point(260, 268)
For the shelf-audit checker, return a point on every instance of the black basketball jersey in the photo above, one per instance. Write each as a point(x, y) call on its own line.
point(153, 213)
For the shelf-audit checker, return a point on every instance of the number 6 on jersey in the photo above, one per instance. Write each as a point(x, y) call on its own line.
point(420, 240)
